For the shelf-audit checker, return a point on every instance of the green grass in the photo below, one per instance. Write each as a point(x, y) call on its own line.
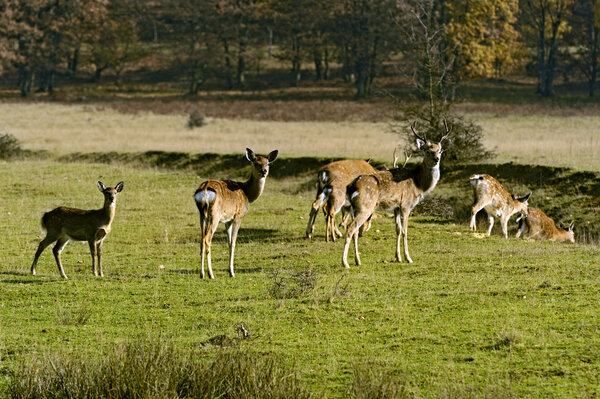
point(471, 317)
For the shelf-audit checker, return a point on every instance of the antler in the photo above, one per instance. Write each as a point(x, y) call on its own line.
point(448, 131)
point(395, 157)
point(407, 156)
point(412, 127)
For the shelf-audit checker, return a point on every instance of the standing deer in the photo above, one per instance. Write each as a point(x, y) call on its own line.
point(63, 224)
point(490, 195)
point(331, 193)
point(536, 224)
point(398, 190)
point(227, 201)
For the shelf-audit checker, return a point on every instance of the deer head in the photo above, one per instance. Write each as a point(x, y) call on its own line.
point(432, 152)
point(260, 164)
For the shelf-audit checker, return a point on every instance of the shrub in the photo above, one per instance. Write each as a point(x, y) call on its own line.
point(464, 143)
point(196, 119)
point(9, 146)
point(155, 370)
point(294, 284)
point(372, 381)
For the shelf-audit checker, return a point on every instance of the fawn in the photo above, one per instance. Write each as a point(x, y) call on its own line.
point(63, 224)
point(536, 224)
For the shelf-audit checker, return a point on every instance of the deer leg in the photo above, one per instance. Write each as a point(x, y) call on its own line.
point(398, 219)
point(504, 225)
point(92, 245)
point(405, 215)
point(352, 232)
point(203, 227)
point(474, 210)
point(99, 255)
point(521, 228)
point(232, 232)
point(491, 223)
point(365, 227)
point(58, 248)
point(310, 227)
point(211, 231)
point(100, 236)
point(356, 254)
point(43, 244)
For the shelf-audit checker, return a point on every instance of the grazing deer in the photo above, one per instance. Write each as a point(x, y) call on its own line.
point(536, 224)
point(63, 224)
point(398, 190)
point(331, 193)
point(227, 201)
point(490, 195)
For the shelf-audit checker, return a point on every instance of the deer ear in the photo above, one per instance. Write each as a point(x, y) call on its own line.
point(570, 228)
point(250, 155)
point(119, 186)
point(420, 143)
point(101, 186)
point(272, 155)
point(525, 198)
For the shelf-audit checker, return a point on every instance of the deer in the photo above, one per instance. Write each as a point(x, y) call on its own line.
point(398, 190)
point(536, 224)
point(331, 193)
point(227, 201)
point(63, 224)
point(489, 194)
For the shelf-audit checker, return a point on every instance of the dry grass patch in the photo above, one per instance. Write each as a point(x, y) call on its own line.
point(537, 139)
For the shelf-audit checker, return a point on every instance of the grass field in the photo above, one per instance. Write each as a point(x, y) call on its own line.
point(472, 317)
point(536, 138)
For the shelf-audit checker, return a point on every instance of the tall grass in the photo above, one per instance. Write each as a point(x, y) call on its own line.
point(155, 369)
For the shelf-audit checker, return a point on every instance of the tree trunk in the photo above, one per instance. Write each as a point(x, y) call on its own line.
point(73, 62)
point(26, 80)
point(228, 74)
point(326, 64)
point(296, 62)
point(318, 60)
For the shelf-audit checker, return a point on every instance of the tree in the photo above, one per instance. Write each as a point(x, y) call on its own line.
point(584, 38)
point(428, 56)
point(482, 36)
point(544, 24)
point(367, 35)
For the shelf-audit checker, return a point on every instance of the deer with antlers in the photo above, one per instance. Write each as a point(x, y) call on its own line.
point(489, 194)
point(63, 224)
point(537, 225)
point(227, 202)
point(398, 190)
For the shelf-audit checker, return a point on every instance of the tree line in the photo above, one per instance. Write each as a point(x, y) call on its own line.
point(436, 43)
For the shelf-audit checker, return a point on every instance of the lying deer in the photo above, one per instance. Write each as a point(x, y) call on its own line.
point(63, 224)
point(398, 190)
point(331, 193)
point(491, 196)
point(536, 224)
point(227, 201)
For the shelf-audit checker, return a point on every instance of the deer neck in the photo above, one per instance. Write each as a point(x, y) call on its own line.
point(429, 177)
point(109, 211)
point(254, 187)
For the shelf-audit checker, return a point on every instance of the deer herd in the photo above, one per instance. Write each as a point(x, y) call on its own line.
point(353, 186)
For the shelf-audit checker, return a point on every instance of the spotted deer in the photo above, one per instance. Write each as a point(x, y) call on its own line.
point(63, 224)
point(227, 202)
point(331, 193)
point(489, 194)
point(398, 190)
point(536, 224)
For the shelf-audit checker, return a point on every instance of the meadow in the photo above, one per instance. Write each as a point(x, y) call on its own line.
point(473, 316)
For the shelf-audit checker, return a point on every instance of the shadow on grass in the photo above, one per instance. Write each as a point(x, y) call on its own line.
point(22, 278)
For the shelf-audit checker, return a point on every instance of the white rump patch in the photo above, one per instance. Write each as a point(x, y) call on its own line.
point(354, 195)
point(327, 190)
point(205, 196)
point(323, 177)
point(474, 179)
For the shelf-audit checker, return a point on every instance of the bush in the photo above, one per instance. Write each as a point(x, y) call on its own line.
point(9, 146)
point(294, 284)
point(196, 119)
point(155, 370)
point(464, 143)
